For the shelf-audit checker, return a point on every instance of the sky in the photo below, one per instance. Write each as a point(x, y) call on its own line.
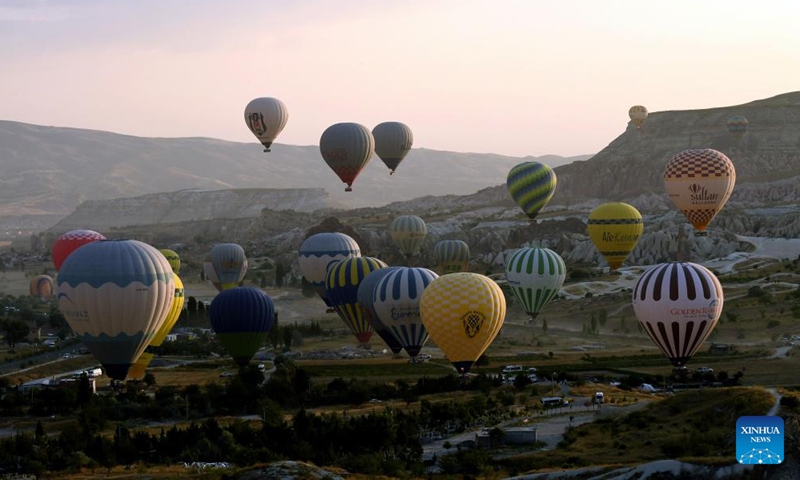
point(518, 78)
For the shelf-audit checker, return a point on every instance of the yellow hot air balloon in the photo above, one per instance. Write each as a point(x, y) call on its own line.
point(638, 115)
point(173, 258)
point(463, 313)
point(699, 182)
point(615, 229)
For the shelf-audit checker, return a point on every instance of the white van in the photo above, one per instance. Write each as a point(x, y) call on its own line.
point(512, 369)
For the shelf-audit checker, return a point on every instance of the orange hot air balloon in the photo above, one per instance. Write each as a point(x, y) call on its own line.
point(699, 182)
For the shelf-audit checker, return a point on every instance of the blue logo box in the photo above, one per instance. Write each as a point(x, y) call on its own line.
point(759, 440)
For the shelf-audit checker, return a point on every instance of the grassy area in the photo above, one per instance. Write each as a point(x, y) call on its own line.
point(697, 425)
point(374, 369)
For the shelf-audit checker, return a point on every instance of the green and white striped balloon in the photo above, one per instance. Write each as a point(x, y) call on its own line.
point(535, 275)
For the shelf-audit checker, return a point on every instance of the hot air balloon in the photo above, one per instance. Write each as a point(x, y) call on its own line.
point(266, 117)
point(535, 276)
point(242, 318)
point(364, 296)
point(463, 313)
point(393, 141)
point(320, 251)
point(699, 182)
point(678, 304)
point(115, 295)
point(42, 286)
point(176, 308)
point(408, 232)
point(452, 256)
point(396, 301)
point(227, 266)
point(615, 229)
point(70, 241)
point(638, 115)
point(342, 284)
point(173, 258)
point(347, 148)
point(531, 185)
point(737, 126)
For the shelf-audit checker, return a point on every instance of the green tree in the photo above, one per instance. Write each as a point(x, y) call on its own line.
point(280, 272)
point(15, 331)
point(602, 317)
point(544, 326)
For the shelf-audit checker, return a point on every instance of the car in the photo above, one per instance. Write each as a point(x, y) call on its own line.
point(67, 356)
point(512, 369)
point(646, 387)
point(705, 370)
point(227, 374)
point(599, 397)
point(423, 357)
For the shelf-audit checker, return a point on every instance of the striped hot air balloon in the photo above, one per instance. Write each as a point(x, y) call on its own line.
point(678, 304)
point(342, 282)
point(347, 148)
point(116, 294)
point(396, 301)
point(615, 229)
point(393, 141)
point(71, 241)
point(320, 251)
point(365, 291)
point(699, 182)
point(535, 276)
point(242, 318)
point(531, 185)
point(42, 286)
point(227, 266)
point(266, 117)
point(408, 232)
point(451, 256)
point(173, 258)
point(463, 313)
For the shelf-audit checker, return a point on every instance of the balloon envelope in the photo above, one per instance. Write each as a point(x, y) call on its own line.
point(396, 301)
point(699, 182)
point(115, 295)
point(342, 282)
point(242, 318)
point(737, 126)
point(42, 286)
point(173, 258)
point(393, 141)
point(320, 251)
point(615, 229)
point(69, 242)
point(266, 117)
point(535, 276)
point(347, 148)
point(531, 185)
point(678, 304)
point(408, 232)
point(463, 313)
point(452, 256)
point(227, 266)
point(638, 115)
point(364, 296)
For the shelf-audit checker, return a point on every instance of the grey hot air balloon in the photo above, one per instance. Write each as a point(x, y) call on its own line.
point(266, 117)
point(393, 140)
point(347, 148)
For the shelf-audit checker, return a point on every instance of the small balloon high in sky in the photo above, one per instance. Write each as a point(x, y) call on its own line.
point(509, 77)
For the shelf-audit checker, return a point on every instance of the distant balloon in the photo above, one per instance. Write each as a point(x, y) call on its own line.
point(699, 182)
point(42, 286)
point(342, 282)
point(408, 232)
point(208, 272)
point(69, 242)
point(266, 117)
point(638, 115)
point(364, 296)
point(531, 185)
point(347, 148)
point(535, 276)
point(463, 313)
point(242, 318)
point(737, 126)
point(678, 304)
point(320, 251)
point(615, 229)
point(396, 301)
point(228, 265)
point(393, 141)
point(116, 295)
point(452, 256)
point(173, 258)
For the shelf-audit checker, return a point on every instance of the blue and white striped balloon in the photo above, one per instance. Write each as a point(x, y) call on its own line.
point(318, 252)
point(396, 302)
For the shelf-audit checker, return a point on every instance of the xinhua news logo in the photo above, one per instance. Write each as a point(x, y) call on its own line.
point(759, 440)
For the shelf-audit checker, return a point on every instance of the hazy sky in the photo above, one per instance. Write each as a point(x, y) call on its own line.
point(523, 77)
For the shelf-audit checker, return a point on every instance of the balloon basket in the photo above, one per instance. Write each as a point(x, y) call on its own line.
point(698, 233)
point(348, 189)
point(267, 150)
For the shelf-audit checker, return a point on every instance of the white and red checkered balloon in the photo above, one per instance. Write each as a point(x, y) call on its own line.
point(70, 241)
